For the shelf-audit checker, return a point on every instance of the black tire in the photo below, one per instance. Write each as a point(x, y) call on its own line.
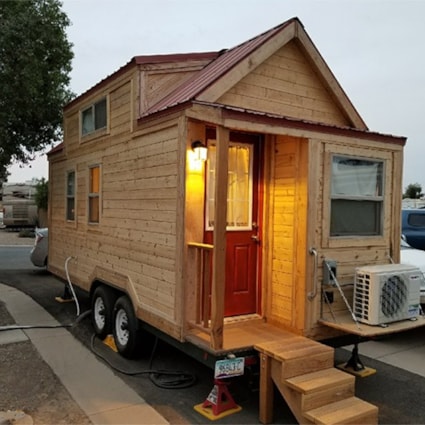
point(102, 307)
point(126, 330)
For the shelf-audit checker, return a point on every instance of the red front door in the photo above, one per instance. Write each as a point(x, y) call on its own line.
point(243, 222)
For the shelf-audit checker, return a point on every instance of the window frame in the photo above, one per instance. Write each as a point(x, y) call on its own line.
point(94, 195)
point(70, 196)
point(93, 108)
point(355, 240)
point(360, 190)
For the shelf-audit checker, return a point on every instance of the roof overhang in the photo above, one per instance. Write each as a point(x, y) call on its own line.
point(219, 114)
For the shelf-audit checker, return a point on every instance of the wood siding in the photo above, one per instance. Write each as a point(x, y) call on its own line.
point(348, 252)
point(299, 211)
point(288, 232)
point(134, 245)
point(286, 84)
point(152, 202)
point(159, 80)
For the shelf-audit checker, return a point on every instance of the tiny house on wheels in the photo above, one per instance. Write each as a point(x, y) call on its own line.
point(235, 202)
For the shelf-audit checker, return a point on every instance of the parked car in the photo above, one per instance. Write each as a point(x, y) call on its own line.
point(413, 227)
point(40, 249)
point(413, 257)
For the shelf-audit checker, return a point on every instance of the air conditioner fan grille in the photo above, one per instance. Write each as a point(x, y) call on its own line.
point(393, 296)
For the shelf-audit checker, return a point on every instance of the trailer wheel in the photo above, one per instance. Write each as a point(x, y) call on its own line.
point(126, 328)
point(102, 310)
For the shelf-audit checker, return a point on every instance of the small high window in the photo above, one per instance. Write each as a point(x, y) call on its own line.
point(356, 196)
point(70, 196)
point(94, 117)
point(94, 194)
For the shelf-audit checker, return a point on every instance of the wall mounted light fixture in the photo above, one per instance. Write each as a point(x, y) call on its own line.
point(200, 150)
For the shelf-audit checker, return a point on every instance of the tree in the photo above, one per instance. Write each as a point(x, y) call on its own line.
point(42, 193)
point(41, 198)
point(413, 191)
point(35, 62)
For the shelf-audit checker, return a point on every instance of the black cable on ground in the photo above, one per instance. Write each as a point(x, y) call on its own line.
point(167, 379)
point(66, 325)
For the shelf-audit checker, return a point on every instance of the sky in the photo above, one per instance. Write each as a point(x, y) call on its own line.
point(373, 47)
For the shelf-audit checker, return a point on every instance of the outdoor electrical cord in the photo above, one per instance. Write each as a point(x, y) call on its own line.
point(175, 380)
point(69, 325)
point(167, 379)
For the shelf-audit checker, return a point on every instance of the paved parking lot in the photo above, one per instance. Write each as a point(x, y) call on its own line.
point(398, 387)
point(405, 350)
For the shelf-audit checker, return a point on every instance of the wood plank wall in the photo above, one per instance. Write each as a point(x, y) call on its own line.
point(300, 220)
point(286, 84)
point(135, 240)
point(348, 253)
point(289, 228)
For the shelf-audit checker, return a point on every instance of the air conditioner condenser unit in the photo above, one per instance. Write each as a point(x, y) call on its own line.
point(386, 293)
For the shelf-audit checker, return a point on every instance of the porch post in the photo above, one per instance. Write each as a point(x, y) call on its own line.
point(220, 221)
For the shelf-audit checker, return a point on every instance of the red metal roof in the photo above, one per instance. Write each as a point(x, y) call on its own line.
point(176, 57)
point(145, 60)
point(214, 70)
point(56, 149)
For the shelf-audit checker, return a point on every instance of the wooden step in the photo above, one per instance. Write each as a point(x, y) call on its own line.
point(283, 344)
point(299, 355)
point(292, 347)
point(349, 411)
point(306, 361)
point(320, 380)
point(322, 387)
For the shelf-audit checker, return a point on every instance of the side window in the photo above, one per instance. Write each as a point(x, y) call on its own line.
point(94, 117)
point(94, 194)
point(70, 196)
point(416, 220)
point(356, 196)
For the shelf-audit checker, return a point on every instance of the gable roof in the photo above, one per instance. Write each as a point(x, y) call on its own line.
point(235, 63)
point(144, 60)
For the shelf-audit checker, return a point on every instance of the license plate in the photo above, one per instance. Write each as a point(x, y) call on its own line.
point(229, 367)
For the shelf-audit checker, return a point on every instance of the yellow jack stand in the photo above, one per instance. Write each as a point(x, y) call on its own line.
point(355, 365)
point(219, 402)
point(110, 342)
point(64, 300)
point(66, 297)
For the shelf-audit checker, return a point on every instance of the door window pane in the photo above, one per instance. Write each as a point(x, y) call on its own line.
point(239, 190)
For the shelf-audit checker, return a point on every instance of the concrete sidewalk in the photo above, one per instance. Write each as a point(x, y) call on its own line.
point(101, 394)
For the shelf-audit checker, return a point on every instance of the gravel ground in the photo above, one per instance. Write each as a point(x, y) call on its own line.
point(28, 384)
point(15, 237)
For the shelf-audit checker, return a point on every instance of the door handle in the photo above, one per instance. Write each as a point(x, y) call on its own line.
point(255, 238)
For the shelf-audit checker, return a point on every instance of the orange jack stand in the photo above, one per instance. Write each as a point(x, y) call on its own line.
point(219, 402)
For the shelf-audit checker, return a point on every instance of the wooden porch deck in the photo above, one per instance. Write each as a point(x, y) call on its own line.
point(344, 322)
point(240, 335)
